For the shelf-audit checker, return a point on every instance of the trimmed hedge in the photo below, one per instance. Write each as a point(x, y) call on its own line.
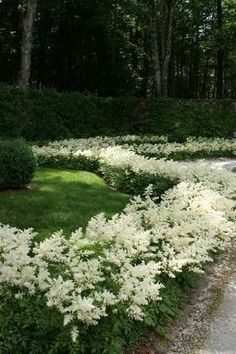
point(17, 163)
point(182, 118)
point(80, 163)
point(48, 114)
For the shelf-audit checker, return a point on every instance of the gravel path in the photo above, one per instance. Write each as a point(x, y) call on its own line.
point(208, 323)
point(222, 332)
point(229, 164)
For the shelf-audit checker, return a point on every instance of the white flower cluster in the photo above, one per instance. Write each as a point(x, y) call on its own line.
point(220, 180)
point(192, 145)
point(116, 264)
point(90, 147)
point(144, 145)
point(105, 150)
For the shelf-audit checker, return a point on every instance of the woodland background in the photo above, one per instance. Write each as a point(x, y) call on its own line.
point(182, 48)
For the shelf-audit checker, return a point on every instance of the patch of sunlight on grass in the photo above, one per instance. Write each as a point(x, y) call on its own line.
point(59, 199)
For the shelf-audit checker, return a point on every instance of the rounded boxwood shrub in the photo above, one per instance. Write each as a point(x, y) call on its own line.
point(17, 163)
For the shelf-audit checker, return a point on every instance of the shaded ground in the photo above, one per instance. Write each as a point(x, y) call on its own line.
point(58, 199)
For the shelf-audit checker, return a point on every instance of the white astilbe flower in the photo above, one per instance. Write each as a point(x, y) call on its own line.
point(113, 152)
point(17, 267)
point(192, 145)
point(74, 334)
point(117, 264)
point(53, 248)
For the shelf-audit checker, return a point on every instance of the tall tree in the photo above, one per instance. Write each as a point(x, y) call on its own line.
point(156, 60)
point(166, 42)
point(26, 45)
point(161, 23)
point(220, 51)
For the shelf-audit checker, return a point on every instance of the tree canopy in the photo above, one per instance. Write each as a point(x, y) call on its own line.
point(123, 47)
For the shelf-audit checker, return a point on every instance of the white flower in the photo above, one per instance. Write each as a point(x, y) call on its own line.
point(74, 334)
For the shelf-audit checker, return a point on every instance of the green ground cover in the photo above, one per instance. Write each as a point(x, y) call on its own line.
point(59, 199)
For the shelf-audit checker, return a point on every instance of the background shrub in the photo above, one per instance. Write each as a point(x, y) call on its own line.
point(81, 163)
point(50, 115)
point(17, 163)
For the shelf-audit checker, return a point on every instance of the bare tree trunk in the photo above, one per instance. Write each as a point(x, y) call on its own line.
point(155, 50)
point(26, 46)
point(167, 29)
point(220, 52)
point(161, 47)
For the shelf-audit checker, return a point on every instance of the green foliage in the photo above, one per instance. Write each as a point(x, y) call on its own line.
point(27, 326)
point(181, 118)
point(81, 163)
point(104, 46)
point(17, 163)
point(193, 155)
point(204, 154)
point(130, 182)
point(49, 115)
point(178, 136)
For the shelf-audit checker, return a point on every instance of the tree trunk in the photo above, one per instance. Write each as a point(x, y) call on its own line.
point(26, 46)
point(161, 47)
point(166, 54)
point(220, 52)
point(155, 50)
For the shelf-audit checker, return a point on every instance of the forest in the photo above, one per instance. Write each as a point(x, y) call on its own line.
point(173, 48)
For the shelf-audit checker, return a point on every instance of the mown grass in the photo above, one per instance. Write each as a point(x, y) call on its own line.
point(59, 199)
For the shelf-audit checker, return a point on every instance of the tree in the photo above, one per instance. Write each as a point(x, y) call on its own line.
point(161, 42)
point(220, 51)
point(156, 61)
point(26, 45)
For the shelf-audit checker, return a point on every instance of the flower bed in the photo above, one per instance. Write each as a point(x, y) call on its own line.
point(116, 162)
point(103, 281)
point(192, 149)
point(152, 146)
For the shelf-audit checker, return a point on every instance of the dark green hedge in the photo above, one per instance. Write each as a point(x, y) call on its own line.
point(179, 118)
point(126, 180)
point(48, 114)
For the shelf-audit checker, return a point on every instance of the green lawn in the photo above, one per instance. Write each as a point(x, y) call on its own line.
point(59, 199)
